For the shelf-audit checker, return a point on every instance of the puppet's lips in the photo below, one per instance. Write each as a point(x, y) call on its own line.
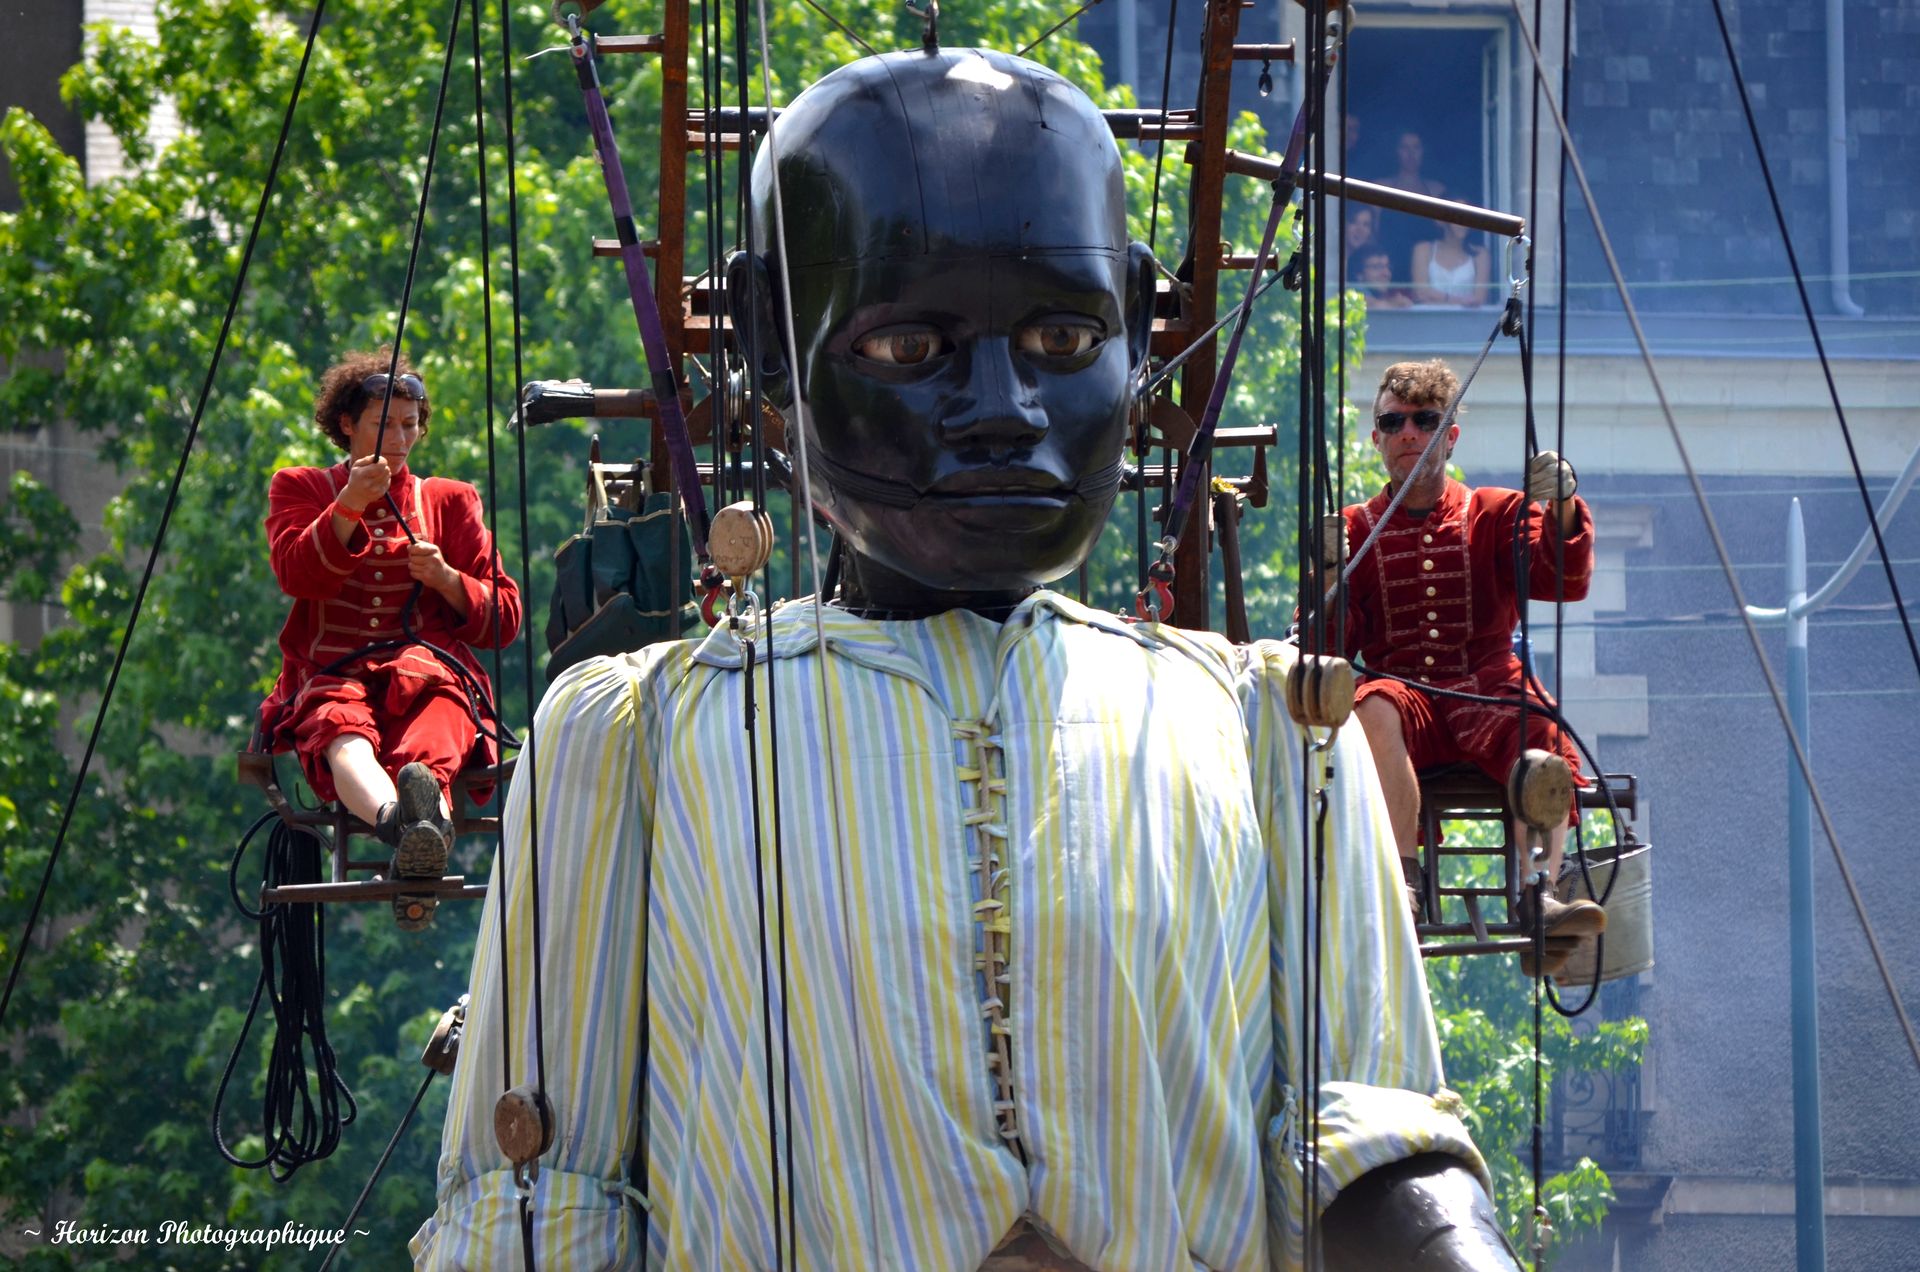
point(1009, 512)
point(1000, 484)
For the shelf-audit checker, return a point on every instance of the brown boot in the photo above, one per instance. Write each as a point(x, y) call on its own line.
point(1566, 924)
point(1558, 949)
point(421, 848)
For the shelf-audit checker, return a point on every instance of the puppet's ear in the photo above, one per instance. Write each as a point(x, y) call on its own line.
point(754, 309)
point(1142, 281)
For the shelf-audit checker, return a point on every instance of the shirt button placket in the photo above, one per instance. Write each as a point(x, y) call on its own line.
point(986, 817)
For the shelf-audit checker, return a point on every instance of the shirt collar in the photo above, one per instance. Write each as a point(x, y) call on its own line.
point(1453, 496)
point(869, 643)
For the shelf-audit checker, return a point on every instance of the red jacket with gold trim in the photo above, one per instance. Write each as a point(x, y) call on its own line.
point(1436, 598)
point(348, 596)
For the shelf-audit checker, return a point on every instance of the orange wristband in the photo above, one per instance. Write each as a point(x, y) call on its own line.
point(351, 514)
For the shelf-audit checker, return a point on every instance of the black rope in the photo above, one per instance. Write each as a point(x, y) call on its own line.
point(480, 703)
point(166, 515)
point(1048, 33)
point(1539, 1089)
point(526, 632)
point(1313, 478)
point(779, 1128)
point(486, 319)
point(848, 31)
point(1721, 555)
point(1813, 329)
point(1340, 368)
point(748, 660)
point(406, 1119)
point(1199, 342)
point(1141, 438)
point(302, 1111)
point(406, 286)
point(1529, 447)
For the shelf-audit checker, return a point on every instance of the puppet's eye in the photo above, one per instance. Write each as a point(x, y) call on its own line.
point(1058, 339)
point(903, 348)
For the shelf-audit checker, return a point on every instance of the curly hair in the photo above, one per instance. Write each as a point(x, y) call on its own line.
point(341, 394)
point(1430, 383)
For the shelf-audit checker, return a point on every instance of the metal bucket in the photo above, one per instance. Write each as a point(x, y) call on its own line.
point(1627, 947)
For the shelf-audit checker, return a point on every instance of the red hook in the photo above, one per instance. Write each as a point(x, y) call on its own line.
point(1163, 595)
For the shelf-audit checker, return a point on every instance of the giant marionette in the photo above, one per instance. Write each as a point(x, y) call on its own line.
point(1038, 998)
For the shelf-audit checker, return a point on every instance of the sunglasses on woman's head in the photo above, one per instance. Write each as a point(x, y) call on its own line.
point(406, 386)
point(1391, 422)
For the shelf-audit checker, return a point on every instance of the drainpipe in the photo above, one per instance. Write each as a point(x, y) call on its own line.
point(1837, 215)
point(1130, 46)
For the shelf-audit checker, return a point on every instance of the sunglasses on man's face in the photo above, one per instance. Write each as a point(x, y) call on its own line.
point(406, 386)
point(1391, 422)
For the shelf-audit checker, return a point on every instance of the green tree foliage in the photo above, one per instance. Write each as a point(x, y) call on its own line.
point(1485, 1014)
point(111, 296)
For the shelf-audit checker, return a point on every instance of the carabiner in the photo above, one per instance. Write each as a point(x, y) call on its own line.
point(1517, 269)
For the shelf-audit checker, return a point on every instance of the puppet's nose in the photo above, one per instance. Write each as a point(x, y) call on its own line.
point(994, 409)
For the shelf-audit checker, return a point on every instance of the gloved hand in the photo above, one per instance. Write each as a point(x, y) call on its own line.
point(1550, 478)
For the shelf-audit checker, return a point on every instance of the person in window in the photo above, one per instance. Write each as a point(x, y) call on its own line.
point(1371, 271)
point(395, 581)
point(1043, 1006)
point(1432, 606)
point(1359, 232)
point(1399, 232)
point(1412, 155)
point(1449, 270)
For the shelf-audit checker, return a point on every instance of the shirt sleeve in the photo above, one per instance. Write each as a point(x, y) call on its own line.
point(586, 783)
point(1381, 1091)
point(1548, 550)
point(469, 547)
point(309, 561)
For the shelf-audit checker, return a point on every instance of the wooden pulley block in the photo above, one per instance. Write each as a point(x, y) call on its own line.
point(1320, 691)
point(740, 540)
point(1540, 789)
point(522, 1125)
point(444, 1047)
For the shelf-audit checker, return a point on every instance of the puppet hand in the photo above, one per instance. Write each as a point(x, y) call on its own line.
point(1550, 478)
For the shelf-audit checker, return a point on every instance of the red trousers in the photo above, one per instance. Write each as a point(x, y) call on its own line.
point(1441, 730)
point(405, 717)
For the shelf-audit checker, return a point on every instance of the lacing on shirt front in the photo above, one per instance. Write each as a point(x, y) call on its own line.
point(984, 770)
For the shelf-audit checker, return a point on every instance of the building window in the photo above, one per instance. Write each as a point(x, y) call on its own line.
point(1430, 107)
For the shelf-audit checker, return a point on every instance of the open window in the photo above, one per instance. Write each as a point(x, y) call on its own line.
point(1430, 104)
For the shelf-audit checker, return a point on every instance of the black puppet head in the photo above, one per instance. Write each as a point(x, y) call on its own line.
point(968, 312)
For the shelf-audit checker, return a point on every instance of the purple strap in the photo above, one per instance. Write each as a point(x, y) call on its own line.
point(646, 312)
point(1202, 444)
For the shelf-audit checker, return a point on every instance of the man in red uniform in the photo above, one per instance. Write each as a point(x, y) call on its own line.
point(394, 580)
point(1435, 601)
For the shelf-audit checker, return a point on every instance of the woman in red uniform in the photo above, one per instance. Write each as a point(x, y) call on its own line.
point(395, 581)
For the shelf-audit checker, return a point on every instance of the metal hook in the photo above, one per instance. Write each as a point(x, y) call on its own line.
point(1266, 77)
point(577, 9)
point(1519, 249)
point(930, 33)
point(743, 609)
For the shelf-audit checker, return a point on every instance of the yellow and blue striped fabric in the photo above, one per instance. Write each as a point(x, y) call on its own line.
point(1136, 794)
